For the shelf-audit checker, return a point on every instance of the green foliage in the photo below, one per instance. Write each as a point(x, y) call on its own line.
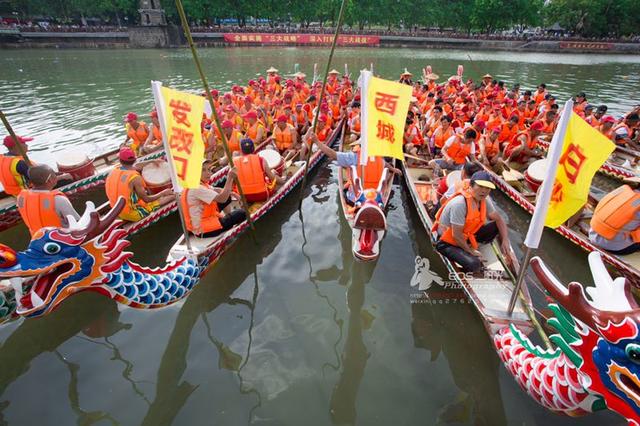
point(590, 18)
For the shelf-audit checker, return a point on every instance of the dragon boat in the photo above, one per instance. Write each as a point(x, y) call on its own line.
point(90, 255)
point(594, 364)
point(523, 194)
point(489, 294)
point(101, 166)
point(367, 218)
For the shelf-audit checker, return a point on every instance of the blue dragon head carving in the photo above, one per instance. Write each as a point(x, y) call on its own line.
point(601, 335)
point(61, 262)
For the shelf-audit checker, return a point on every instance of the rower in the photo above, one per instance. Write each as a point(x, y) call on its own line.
point(348, 159)
point(256, 178)
point(623, 132)
point(14, 171)
point(43, 206)
point(456, 151)
point(203, 207)
point(154, 140)
point(606, 127)
point(126, 181)
point(255, 130)
point(284, 135)
point(137, 132)
point(522, 149)
point(490, 147)
point(615, 225)
point(232, 135)
point(462, 223)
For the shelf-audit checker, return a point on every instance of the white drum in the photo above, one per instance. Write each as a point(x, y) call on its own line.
point(157, 177)
point(274, 160)
point(75, 163)
point(536, 173)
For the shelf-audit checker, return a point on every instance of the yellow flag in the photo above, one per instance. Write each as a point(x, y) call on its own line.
point(584, 150)
point(387, 106)
point(182, 118)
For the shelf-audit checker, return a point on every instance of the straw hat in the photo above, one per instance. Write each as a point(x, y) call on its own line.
point(454, 77)
point(300, 75)
point(334, 71)
point(487, 76)
point(432, 76)
point(406, 72)
point(272, 69)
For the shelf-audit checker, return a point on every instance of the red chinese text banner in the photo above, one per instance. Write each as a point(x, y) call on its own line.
point(318, 39)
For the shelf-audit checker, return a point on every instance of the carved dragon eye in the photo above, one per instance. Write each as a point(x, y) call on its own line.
point(51, 248)
point(633, 352)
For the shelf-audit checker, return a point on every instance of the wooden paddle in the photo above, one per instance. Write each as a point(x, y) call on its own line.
point(413, 157)
point(510, 174)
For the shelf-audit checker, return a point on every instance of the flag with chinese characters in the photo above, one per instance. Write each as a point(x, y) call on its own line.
point(584, 150)
point(181, 115)
point(384, 112)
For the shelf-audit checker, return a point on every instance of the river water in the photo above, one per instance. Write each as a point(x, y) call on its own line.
point(289, 330)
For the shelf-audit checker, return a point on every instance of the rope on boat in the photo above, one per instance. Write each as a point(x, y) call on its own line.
point(322, 92)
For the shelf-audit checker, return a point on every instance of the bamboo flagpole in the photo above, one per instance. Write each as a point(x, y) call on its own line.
point(23, 152)
point(324, 85)
point(203, 78)
point(536, 226)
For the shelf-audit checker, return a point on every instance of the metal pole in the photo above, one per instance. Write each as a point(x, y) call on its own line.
point(196, 59)
point(23, 152)
point(523, 269)
point(324, 84)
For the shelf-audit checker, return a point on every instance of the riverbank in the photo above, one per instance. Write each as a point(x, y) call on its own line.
point(154, 37)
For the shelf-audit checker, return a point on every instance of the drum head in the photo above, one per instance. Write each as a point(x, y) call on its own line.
point(538, 170)
point(157, 174)
point(70, 158)
point(272, 157)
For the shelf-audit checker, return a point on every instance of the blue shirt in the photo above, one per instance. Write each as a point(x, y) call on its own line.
point(346, 159)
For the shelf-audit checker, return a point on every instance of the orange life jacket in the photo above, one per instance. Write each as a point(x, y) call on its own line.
point(138, 136)
point(491, 148)
point(418, 139)
point(252, 132)
point(323, 134)
point(615, 211)
point(506, 133)
point(372, 172)
point(118, 184)
point(515, 143)
point(38, 209)
point(251, 174)
point(301, 118)
point(539, 96)
point(473, 222)
point(608, 133)
point(157, 134)
point(12, 181)
point(440, 137)
point(283, 138)
point(210, 220)
point(234, 141)
point(458, 151)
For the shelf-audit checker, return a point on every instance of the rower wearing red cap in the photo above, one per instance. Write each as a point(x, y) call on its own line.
point(606, 126)
point(302, 120)
point(284, 135)
point(14, 171)
point(255, 129)
point(522, 150)
point(154, 140)
point(232, 135)
point(126, 181)
point(137, 132)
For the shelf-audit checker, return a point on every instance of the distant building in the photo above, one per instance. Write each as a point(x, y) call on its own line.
point(152, 13)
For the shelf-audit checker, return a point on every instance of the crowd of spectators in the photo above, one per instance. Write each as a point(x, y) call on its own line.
point(415, 32)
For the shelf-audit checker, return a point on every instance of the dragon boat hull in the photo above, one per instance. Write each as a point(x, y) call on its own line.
point(491, 294)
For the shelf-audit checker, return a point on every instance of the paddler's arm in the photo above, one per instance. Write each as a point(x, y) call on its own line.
point(227, 190)
point(272, 176)
point(326, 150)
point(140, 190)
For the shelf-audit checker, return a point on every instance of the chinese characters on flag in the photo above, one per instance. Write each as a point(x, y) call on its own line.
point(584, 150)
point(384, 111)
point(181, 114)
